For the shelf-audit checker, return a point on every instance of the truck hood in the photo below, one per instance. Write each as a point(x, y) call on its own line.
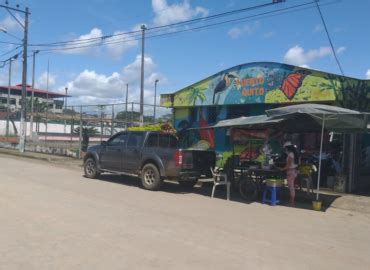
point(95, 148)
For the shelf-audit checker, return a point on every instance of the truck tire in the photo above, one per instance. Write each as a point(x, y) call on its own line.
point(150, 177)
point(188, 183)
point(91, 168)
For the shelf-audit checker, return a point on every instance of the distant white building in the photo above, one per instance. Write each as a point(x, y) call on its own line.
point(55, 100)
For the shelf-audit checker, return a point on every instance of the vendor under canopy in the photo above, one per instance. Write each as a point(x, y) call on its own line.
point(303, 118)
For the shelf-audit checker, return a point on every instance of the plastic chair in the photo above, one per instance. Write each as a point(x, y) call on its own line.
point(220, 178)
point(305, 175)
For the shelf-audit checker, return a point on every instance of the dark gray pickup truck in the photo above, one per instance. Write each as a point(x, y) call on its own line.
point(152, 156)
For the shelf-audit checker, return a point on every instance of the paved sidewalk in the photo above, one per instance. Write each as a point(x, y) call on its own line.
point(60, 160)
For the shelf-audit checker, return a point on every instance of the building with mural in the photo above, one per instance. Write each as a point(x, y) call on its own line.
point(252, 88)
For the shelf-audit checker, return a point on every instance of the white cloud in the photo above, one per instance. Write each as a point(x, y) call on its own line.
point(42, 81)
point(297, 55)
point(166, 14)
point(84, 41)
point(305, 66)
point(234, 32)
point(90, 87)
point(10, 24)
point(247, 29)
point(318, 28)
point(114, 46)
point(368, 74)
point(341, 50)
point(269, 34)
point(117, 45)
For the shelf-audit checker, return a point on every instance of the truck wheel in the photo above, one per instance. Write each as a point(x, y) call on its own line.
point(150, 177)
point(188, 183)
point(90, 168)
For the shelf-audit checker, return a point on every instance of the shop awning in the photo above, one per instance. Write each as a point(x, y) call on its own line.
point(304, 118)
point(336, 118)
point(260, 120)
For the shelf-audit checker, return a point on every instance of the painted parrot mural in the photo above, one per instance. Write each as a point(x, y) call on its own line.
point(222, 86)
point(205, 134)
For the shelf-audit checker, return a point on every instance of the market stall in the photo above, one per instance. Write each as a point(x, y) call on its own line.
point(302, 118)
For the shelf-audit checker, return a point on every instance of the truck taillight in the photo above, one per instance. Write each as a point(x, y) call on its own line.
point(178, 158)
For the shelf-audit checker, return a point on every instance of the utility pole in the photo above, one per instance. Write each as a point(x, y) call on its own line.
point(126, 117)
point(8, 99)
point(33, 92)
point(155, 98)
point(22, 139)
point(47, 104)
point(143, 28)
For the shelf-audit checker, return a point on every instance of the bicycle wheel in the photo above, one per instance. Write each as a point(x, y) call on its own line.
point(248, 189)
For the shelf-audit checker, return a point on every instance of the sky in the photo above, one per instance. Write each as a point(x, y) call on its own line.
point(98, 75)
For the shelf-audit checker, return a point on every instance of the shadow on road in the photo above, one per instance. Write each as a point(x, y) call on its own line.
point(204, 188)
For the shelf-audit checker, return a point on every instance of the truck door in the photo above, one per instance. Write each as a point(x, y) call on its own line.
point(167, 147)
point(112, 155)
point(132, 152)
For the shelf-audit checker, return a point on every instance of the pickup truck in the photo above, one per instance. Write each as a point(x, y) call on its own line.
point(152, 156)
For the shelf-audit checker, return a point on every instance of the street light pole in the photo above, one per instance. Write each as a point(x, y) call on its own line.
point(143, 28)
point(65, 110)
point(33, 92)
point(65, 105)
point(126, 117)
point(22, 139)
point(155, 97)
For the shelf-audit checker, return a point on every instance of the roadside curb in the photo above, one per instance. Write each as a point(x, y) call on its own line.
point(31, 155)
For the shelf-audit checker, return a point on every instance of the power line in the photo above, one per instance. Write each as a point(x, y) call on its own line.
point(99, 41)
point(83, 40)
point(14, 57)
point(10, 43)
point(216, 15)
point(329, 38)
point(260, 15)
point(212, 17)
point(12, 50)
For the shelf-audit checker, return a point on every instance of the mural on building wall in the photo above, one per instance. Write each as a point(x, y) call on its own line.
point(272, 83)
point(255, 84)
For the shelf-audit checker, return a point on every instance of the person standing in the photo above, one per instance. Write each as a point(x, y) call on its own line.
point(291, 168)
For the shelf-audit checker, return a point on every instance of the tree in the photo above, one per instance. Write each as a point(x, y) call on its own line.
point(133, 117)
point(87, 132)
point(166, 118)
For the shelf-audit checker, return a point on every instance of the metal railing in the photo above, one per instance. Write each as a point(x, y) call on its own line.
point(65, 130)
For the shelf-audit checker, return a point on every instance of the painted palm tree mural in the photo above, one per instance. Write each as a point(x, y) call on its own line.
point(196, 94)
point(350, 93)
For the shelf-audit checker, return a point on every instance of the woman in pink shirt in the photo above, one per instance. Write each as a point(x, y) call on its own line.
point(291, 168)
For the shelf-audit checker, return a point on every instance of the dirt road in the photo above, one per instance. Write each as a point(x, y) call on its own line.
point(54, 218)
